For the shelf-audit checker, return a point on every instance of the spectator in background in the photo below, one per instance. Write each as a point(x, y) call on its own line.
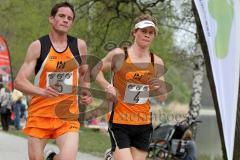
point(23, 115)
point(16, 94)
point(18, 108)
point(2, 89)
point(191, 146)
point(23, 108)
point(6, 101)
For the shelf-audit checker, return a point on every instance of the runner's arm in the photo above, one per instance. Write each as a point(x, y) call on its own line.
point(158, 83)
point(22, 82)
point(105, 65)
point(84, 74)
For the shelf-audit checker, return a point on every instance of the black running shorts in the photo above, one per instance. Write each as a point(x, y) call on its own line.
point(126, 136)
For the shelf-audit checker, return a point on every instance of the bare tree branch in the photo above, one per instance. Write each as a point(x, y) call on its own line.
point(179, 28)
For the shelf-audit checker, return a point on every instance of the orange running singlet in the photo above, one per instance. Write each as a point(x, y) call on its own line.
point(60, 71)
point(133, 106)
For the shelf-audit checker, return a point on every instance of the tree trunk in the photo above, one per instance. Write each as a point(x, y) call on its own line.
point(195, 103)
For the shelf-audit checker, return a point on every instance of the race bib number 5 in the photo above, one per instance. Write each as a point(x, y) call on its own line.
point(136, 93)
point(61, 81)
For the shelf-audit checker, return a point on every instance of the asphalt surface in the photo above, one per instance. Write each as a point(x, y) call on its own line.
point(15, 148)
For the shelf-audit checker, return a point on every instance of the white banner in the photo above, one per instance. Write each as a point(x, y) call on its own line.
point(221, 25)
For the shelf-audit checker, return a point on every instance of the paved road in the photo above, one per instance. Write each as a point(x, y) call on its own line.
point(15, 148)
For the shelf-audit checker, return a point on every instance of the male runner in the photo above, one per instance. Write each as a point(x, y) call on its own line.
point(55, 59)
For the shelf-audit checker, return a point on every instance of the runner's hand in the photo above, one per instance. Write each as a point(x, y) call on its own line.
point(157, 87)
point(85, 96)
point(49, 92)
point(111, 93)
point(155, 83)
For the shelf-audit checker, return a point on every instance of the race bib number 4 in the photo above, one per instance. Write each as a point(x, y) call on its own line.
point(136, 93)
point(61, 81)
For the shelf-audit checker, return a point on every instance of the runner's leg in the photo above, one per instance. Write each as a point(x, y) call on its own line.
point(138, 154)
point(68, 146)
point(36, 148)
point(120, 154)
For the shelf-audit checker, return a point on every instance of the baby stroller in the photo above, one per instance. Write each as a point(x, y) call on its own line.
point(168, 142)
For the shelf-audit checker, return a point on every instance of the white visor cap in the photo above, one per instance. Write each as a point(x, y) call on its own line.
point(144, 24)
